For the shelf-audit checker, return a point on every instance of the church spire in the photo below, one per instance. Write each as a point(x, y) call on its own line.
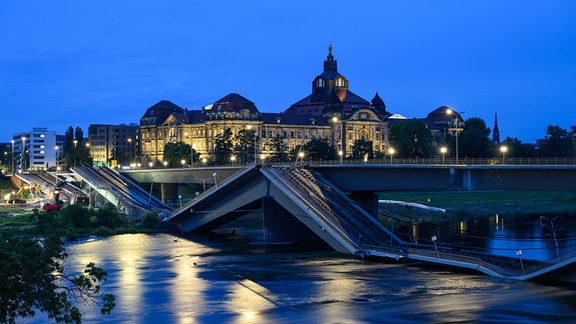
point(330, 64)
point(496, 131)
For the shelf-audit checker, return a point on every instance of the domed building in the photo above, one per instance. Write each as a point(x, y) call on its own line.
point(331, 111)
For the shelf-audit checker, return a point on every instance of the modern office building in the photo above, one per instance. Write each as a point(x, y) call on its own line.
point(113, 145)
point(38, 149)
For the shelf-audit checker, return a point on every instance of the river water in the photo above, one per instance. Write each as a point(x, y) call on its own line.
point(163, 278)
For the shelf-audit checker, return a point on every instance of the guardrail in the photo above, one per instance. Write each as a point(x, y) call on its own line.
point(543, 161)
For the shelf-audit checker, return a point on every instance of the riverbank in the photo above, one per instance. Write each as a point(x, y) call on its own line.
point(484, 203)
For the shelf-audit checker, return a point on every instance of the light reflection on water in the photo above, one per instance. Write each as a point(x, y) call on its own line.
point(501, 235)
point(164, 279)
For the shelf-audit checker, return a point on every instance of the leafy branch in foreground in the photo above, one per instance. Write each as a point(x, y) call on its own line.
point(33, 277)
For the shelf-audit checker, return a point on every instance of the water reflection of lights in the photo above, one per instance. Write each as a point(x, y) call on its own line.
point(415, 233)
point(187, 288)
point(132, 256)
point(249, 299)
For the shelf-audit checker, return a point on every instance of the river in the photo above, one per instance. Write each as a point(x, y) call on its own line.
point(162, 278)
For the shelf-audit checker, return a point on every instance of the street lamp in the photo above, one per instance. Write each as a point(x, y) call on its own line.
point(12, 156)
point(56, 155)
point(23, 154)
point(391, 151)
point(183, 162)
point(75, 142)
point(301, 156)
point(233, 158)
point(503, 149)
point(335, 120)
point(457, 121)
point(165, 164)
point(443, 150)
point(341, 155)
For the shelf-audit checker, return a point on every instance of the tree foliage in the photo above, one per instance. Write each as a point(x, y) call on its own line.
point(175, 153)
point(558, 142)
point(279, 149)
point(515, 148)
point(223, 145)
point(319, 149)
point(474, 139)
point(315, 149)
point(245, 145)
point(33, 277)
point(362, 149)
point(76, 150)
point(411, 138)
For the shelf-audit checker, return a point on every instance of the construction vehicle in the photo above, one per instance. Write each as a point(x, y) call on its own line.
point(19, 197)
point(55, 203)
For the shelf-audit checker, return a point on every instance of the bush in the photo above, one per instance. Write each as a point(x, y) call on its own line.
point(151, 220)
point(78, 215)
point(110, 217)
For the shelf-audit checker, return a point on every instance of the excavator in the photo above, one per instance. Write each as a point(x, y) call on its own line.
point(55, 204)
point(17, 198)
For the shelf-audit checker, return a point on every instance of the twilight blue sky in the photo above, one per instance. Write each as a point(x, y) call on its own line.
point(74, 63)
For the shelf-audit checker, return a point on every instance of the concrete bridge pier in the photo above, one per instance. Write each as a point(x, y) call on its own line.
point(281, 226)
point(368, 200)
point(169, 191)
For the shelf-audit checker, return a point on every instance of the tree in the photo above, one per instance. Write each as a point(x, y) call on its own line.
point(515, 148)
point(558, 142)
point(246, 146)
point(76, 150)
point(362, 149)
point(223, 147)
point(411, 138)
point(175, 153)
point(319, 149)
point(34, 277)
point(279, 149)
point(474, 139)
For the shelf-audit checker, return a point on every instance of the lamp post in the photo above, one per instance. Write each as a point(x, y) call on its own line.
point(443, 150)
point(130, 150)
point(12, 156)
point(23, 154)
point(457, 122)
point(503, 149)
point(192, 154)
point(335, 120)
point(391, 151)
point(301, 156)
point(233, 159)
point(75, 143)
point(341, 155)
point(183, 162)
point(56, 155)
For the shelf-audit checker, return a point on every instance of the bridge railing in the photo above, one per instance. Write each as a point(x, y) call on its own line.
point(312, 207)
point(450, 161)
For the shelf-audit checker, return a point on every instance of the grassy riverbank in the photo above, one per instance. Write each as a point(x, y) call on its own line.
point(489, 203)
point(19, 219)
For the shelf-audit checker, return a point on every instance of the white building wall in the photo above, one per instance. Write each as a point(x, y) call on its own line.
point(41, 147)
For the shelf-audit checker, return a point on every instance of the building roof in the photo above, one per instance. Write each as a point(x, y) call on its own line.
point(349, 100)
point(158, 113)
point(232, 102)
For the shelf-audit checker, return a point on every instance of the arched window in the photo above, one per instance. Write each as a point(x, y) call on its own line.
point(339, 82)
point(319, 82)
